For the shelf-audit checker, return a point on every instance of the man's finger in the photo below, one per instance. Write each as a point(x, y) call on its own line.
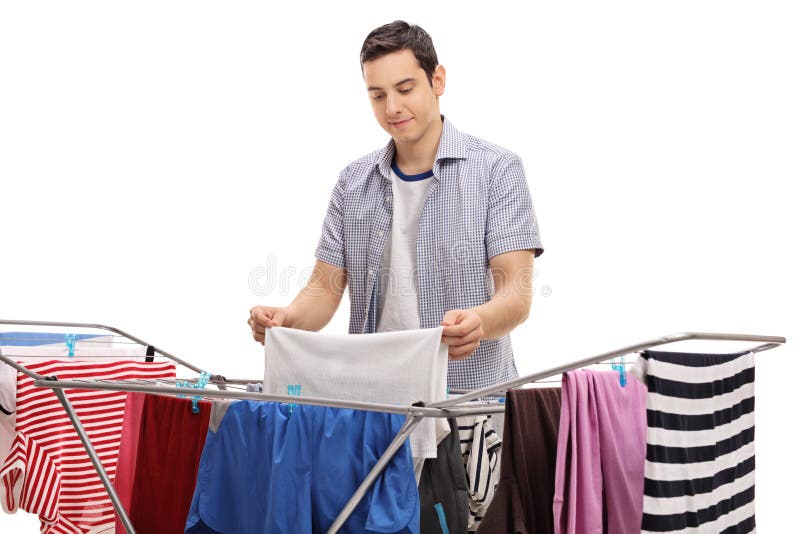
point(456, 330)
point(470, 337)
point(260, 317)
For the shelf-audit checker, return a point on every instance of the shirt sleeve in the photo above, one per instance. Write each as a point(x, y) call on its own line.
point(331, 242)
point(511, 221)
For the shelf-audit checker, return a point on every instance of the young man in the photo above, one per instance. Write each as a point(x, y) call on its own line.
point(415, 229)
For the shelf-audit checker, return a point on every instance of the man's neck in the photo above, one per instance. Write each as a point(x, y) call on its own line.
point(418, 157)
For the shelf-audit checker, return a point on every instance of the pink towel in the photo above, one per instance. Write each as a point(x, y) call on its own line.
point(601, 453)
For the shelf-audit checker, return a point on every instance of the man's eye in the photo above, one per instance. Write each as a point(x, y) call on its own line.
point(377, 97)
point(405, 91)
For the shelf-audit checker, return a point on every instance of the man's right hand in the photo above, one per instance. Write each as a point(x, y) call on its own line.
point(262, 317)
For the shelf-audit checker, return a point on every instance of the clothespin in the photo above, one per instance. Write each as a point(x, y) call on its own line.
point(619, 366)
point(293, 390)
point(69, 339)
point(201, 383)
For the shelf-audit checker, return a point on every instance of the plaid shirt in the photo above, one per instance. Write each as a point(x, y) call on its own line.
point(478, 206)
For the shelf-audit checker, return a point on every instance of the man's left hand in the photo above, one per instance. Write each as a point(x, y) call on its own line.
point(462, 331)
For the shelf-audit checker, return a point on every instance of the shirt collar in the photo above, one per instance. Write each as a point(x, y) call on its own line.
point(451, 146)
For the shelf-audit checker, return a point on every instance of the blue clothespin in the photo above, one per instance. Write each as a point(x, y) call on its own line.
point(619, 366)
point(69, 339)
point(293, 390)
point(201, 383)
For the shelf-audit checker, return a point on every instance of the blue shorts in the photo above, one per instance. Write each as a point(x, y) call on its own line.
point(266, 470)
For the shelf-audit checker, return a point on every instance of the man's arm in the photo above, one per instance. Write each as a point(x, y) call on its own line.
point(311, 309)
point(512, 273)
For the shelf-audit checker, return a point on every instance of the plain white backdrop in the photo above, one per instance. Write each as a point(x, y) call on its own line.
point(164, 166)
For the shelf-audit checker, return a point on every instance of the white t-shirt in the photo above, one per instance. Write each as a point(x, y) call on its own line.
point(398, 298)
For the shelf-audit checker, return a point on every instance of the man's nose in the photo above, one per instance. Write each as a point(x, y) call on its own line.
point(394, 105)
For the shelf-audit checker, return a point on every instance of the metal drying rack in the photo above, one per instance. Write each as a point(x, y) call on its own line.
point(456, 406)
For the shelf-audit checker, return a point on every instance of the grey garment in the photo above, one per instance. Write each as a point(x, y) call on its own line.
point(498, 422)
point(443, 491)
point(257, 387)
point(218, 410)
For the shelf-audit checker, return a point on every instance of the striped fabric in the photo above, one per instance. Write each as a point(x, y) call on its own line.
point(700, 467)
point(47, 471)
point(480, 450)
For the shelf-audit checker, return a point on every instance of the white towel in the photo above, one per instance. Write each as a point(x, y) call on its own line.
point(390, 368)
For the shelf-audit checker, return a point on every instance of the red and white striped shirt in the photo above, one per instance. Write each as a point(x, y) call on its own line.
point(47, 471)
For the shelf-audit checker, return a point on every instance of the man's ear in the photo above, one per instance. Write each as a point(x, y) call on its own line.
point(438, 80)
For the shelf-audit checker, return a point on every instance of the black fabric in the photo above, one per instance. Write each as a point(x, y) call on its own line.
point(150, 354)
point(523, 501)
point(692, 359)
point(676, 421)
point(444, 481)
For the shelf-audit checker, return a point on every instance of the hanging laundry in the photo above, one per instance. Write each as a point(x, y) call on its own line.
point(158, 461)
point(39, 346)
point(39, 339)
point(393, 368)
point(600, 458)
point(8, 408)
point(48, 472)
point(443, 491)
point(523, 500)
point(88, 351)
point(480, 454)
point(264, 469)
point(700, 469)
point(128, 447)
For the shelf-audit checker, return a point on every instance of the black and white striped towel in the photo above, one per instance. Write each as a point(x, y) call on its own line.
point(700, 466)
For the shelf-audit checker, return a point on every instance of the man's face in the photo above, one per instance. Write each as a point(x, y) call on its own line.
point(403, 101)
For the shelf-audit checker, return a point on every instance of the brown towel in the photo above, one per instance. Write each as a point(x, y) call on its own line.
point(523, 502)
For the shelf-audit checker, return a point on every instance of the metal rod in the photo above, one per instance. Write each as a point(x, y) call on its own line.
point(771, 341)
point(87, 444)
point(243, 395)
point(110, 329)
point(408, 426)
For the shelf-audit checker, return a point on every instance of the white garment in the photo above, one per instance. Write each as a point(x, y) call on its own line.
point(398, 300)
point(389, 368)
point(480, 450)
point(8, 408)
point(60, 351)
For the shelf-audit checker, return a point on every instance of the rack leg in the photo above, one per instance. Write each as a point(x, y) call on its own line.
point(87, 444)
point(409, 425)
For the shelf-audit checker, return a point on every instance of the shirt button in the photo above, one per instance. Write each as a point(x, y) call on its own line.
point(380, 233)
point(371, 272)
point(388, 199)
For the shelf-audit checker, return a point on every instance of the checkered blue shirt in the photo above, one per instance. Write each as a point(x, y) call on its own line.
point(478, 206)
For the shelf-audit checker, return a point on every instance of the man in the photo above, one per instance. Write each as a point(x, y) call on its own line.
point(414, 229)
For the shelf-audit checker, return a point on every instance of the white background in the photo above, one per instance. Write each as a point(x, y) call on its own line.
point(157, 156)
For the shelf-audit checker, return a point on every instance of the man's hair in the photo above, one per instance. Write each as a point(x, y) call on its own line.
point(400, 35)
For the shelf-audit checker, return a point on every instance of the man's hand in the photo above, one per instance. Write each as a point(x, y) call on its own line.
point(462, 331)
point(262, 317)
